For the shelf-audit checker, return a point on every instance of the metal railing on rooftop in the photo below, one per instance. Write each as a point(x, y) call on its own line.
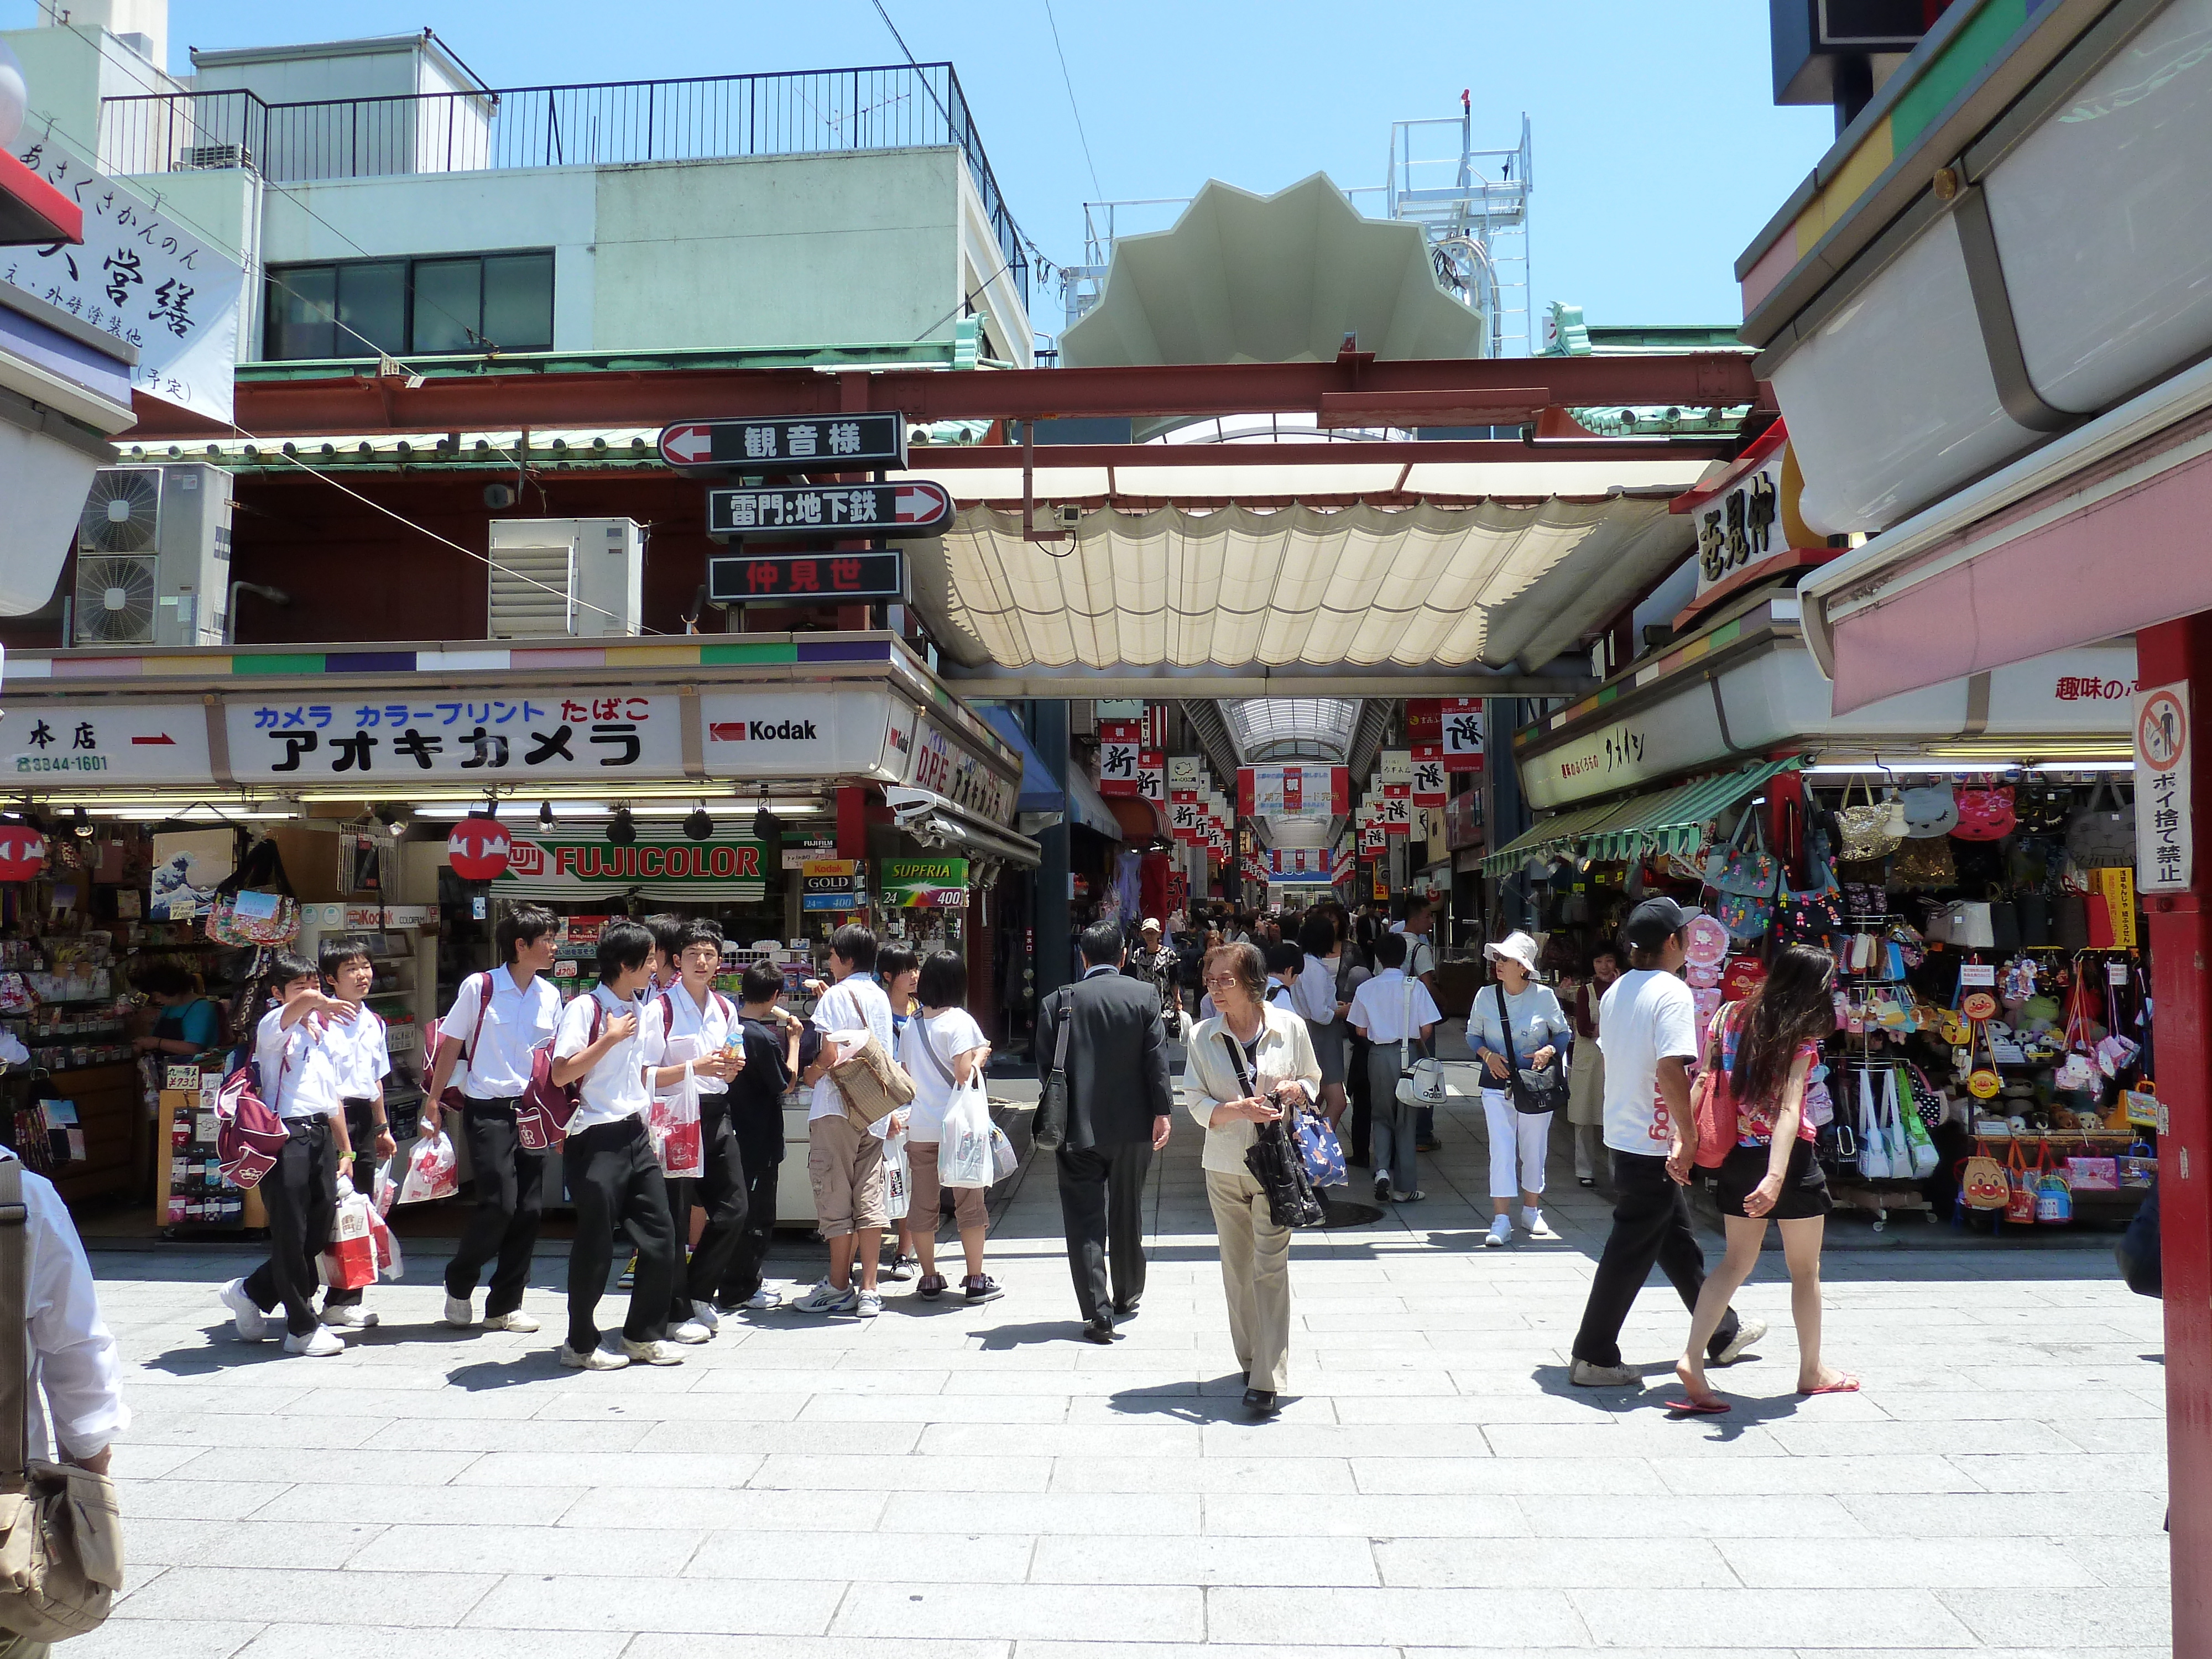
point(603, 123)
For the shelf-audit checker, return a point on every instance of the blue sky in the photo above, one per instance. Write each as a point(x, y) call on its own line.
point(1658, 151)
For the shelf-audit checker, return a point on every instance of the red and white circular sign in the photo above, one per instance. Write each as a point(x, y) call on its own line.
point(22, 851)
point(479, 848)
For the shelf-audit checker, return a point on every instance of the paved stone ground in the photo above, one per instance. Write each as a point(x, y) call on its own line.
point(948, 1481)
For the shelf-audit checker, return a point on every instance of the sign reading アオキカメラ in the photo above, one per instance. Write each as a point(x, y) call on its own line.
point(925, 884)
point(599, 732)
point(582, 864)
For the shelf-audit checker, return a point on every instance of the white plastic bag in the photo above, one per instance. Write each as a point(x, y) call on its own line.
point(899, 1176)
point(433, 1171)
point(385, 1243)
point(1004, 1163)
point(964, 1145)
point(387, 1189)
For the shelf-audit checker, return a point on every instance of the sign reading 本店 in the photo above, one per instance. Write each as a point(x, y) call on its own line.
point(2165, 830)
point(107, 743)
point(592, 732)
point(805, 578)
point(583, 865)
point(933, 884)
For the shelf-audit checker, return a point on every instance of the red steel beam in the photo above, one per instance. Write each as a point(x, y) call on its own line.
point(367, 404)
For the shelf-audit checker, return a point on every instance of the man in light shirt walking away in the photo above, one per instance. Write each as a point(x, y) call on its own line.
point(844, 1162)
point(1647, 1026)
point(1388, 1008)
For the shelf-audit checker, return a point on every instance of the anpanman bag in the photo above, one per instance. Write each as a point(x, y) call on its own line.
point(1982, 1182)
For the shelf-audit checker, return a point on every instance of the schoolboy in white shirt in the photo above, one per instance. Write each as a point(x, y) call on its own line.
point(363, 1061)
point(299, 1083)
point(614, 1177)
point(692, 1008)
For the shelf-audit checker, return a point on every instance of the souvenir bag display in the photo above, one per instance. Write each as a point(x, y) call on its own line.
point(2054, 1200)
point(1985, 812)
point(1983, 1079)
point(2141, 1103)
point(1747, 878)
point(2019, 1197)
point(1871, 829)
point(1920, 1146)
point(2102, 835)
point(2115, 1053)
point(1705, 943)
point(1982, 1182)
point(253, 905)
point(1740, 977)
point(1930, 811)
point(2138, 1168)
point(2078, 1070)
point(1874, 1161)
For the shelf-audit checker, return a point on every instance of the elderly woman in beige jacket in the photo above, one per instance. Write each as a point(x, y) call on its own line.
point(1278, 1065)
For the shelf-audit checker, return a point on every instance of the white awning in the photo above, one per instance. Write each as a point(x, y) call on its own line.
point(1490, 585)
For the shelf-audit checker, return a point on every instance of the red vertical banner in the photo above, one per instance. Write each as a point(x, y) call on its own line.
point(1340, 789)
point(1293, 789)
point(1246, 793)
point(1429, 774)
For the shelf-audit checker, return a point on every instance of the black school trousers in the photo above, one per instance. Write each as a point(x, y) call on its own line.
point(614, 1181)
point(510, 1194)
point(1650, 1224)
point(1102, 1203)
point(301, 1195)
point(720, 1189)
point(743, 1278)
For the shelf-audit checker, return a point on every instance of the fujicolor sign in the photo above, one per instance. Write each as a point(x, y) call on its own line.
point(583, 865)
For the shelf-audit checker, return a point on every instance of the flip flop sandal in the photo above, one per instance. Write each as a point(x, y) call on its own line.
point(1843, 1385)
point(1692, 1408)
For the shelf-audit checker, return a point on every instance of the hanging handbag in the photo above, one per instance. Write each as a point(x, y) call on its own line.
point(253, 904)
point(1929, 812)
point(1982, 1182)
point(2020, 1194)
point(1874, 1143)
point(1924, 864)
point(1536, 1089)
point(1323, 1152)
point(1869, 830)
point(1273, 1159)
point(1751, 870)
point(1048, 1128)
point(1420, 1077)
point(1712, 1097)
point(61, 1531)
point(1901, 1159)
point(1982, 1081)
point(1985, 813)
point(2102, 835)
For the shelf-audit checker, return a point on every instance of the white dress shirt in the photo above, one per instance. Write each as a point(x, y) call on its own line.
point(358, 1054)
point(710, 1030)
point(76, 1375)
point(298, 1066)
point(614, 1088)
point(1379, 1007)
point(517, 1020)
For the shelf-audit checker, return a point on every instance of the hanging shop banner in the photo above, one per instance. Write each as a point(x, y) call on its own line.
point(140, 275)
point(1397, 809)
point(1152, 776)
point(1394, 766)
point(1463, 738)
point(582, 865)
point(95, 742)
point(1184, 820)
point(924, 883)
point(1184, 771)
point(1429, 774)
point(1747, 519)
point(2166, 836)
point(1293, 791)
point(1371, 841)
point(951, 767)
point(599, 732)
point(1424, 720)
point(811, 735)
point(1120, 760)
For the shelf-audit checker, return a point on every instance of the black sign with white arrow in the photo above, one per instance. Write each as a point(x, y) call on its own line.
point(916, 507)
point(803, 443)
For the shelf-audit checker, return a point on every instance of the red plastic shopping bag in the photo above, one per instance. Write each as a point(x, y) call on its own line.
point(433, 1171)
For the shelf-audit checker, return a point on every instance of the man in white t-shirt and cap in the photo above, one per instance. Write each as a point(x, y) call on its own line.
point(1647, 1028)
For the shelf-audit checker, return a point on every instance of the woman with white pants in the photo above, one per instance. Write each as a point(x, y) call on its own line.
point(1519, 1141)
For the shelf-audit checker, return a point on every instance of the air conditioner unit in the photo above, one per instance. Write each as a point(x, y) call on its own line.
point(196, 157)
point(582, 578)
point(153, 556)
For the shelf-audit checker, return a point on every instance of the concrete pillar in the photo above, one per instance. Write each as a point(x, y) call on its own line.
point(1050, 737)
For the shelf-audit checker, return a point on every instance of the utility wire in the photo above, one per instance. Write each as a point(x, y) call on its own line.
point(1068, 81)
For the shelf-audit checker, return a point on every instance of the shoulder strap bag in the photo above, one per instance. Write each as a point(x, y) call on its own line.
point(1274, 1158)
point(454, 1099)
point(1048, 1128)
point(1420, 1076)
point(60, 1533)
point(1537, 1090)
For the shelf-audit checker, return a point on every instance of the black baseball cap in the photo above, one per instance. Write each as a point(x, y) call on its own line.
point(1653, 922)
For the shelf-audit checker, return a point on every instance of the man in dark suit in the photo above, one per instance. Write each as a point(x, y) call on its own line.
point(1119, 1106)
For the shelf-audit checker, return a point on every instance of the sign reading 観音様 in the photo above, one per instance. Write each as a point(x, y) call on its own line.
point(930, 884)
point(788, 443)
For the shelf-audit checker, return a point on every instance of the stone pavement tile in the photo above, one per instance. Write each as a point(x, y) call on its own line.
point(654, 1645)
point(2143, 1562)
point(1087, 1439)
point(949, 1556)
point(1390, 1477)
point(705, 1510)
point(1179, 1651)
point(1318, 1476)
point(192, 1500)
point(1514, 1401)
point(1091, 1514)
point(728, 1379)
point(1367, 1381)
point(527, 1601)
point(1809, 1439)
point(1067, 1559)
point(305, 1545)
point(415, 1599)
point(313, 1433)
point(1067, 1385)
point(2088, 1516)
point(1647, 1433)
point(829, 1473)
point(1813, 1516)
point(895, 1611)
point(1506, 1618)
point(1858, 1618)
point(696, 1406)
point(152, 1392)
point(2105, 1472)
point(1906, 1472)
point(828, 1409)
point(2035, 1618)
point(1546, 1563)
point(1255, 1515)
point(856, 1438)
point(1908, 1563)
point(371, 1500)
point(1238, 1439)
point(1146, 1405)
point(291, 1464)
point(507, 1435)
point(505, 1404)
point(130, 1639)
point(487, 1547)
point(652, 1470)
point(2086, 1429)
point(322, 1641)
point(1912, 1403)
point(157, 1462)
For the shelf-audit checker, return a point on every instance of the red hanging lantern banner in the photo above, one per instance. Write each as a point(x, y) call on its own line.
point(478, 850)
point(22, 851)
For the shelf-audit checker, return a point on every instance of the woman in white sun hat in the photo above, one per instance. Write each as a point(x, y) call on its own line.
point(1517, 1024)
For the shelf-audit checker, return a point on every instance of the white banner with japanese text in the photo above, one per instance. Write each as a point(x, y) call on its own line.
point(594, 733)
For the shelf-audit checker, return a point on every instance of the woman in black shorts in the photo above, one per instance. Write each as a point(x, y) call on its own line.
point(1768, 1044)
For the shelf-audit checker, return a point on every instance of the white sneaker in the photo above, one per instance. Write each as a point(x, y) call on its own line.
point(690, 1333)
point(702, 1313)
point(871, 1303)
point(317, 1343)
point(349, 1317)
point(1537, 1227)
point(1584, 1375)
point(826, 1298)
point(1500, 1234)
point(599, 1360)
point(516, 1321)
point(461, 1312)
point(1747, 1332)
point(767, 1299)
point(653, 1353)
point(253, 1324)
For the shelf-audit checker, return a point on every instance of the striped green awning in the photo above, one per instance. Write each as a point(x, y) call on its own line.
point(1666, 821)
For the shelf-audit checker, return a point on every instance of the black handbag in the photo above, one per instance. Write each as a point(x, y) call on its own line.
point(1048, 1128)
point(1276, 1162)
point(1542, 1089)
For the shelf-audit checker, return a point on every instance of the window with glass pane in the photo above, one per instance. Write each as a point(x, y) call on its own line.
point(300, 303)
point(448, 305)
point(518, 302)
point(373, 308)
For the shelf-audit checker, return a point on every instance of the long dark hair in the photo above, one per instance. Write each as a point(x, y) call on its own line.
point(1795, 1005)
